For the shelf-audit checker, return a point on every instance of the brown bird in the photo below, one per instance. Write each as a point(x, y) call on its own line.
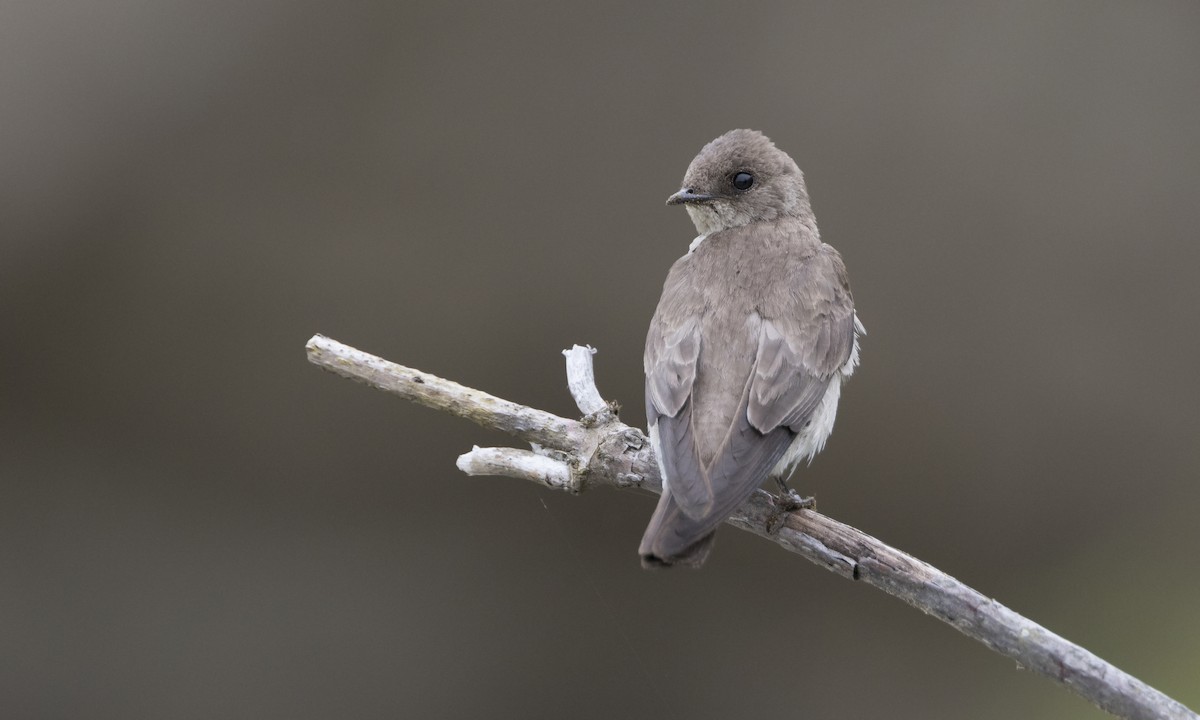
point(746, 353)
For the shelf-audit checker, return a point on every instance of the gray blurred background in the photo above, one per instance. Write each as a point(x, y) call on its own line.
point(196, 523)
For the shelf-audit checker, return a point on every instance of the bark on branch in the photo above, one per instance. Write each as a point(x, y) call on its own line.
point(576, 455)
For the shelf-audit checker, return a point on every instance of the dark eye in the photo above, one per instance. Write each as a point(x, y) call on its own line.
point(742, 181)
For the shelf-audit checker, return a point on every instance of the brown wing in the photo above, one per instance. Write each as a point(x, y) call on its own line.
point(672, 354)
point(806, 341)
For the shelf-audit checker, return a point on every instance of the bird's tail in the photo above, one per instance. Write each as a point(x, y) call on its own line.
point(673, 538)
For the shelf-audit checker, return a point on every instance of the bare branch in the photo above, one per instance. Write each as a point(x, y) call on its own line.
point(600, 450)
point(491, 412)
point(581, 380)
point(511, 462)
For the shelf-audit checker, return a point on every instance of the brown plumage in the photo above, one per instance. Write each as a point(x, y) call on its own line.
point(748, 347)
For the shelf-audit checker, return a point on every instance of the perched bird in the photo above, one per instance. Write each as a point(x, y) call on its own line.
point(747, 351)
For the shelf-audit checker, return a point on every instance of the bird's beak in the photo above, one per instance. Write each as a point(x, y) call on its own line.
point(689, 196)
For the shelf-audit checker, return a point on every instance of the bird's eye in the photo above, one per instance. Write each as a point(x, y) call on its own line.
point(743, 181)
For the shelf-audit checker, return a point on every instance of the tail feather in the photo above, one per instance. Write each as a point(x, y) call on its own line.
point(673, 538)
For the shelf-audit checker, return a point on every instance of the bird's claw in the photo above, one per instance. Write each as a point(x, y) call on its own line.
point(786, 501)
point(789, 500)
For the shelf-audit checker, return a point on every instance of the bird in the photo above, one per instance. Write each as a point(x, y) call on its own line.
point(748, 348)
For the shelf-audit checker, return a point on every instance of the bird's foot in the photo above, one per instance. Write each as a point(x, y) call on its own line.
point(789, 500)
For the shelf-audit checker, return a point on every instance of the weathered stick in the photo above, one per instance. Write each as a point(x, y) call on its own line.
point(600, 450)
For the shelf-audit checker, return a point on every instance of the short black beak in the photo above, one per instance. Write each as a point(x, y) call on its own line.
point(687, 195)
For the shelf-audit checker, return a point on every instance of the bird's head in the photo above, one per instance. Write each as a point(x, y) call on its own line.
point(741, 178)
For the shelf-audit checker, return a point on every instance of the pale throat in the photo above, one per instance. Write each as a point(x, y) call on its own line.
point(708, 219)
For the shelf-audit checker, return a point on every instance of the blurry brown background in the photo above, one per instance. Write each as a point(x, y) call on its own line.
point(197, 523)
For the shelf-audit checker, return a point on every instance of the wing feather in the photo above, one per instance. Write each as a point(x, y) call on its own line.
point(801, 349)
